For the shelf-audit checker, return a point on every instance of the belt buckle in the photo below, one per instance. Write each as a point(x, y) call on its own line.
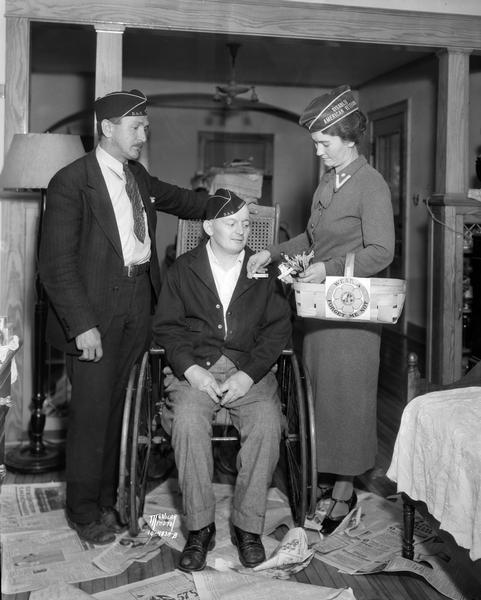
point(130, 271)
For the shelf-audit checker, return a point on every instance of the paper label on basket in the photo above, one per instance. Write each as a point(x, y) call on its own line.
point(348, 298)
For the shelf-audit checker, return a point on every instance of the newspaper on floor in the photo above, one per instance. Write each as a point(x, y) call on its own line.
point(231, 585)
point(117, 557)
point(369, 540)
point(166, 500)
point(59, 591)
point(291, 555)
point(32, 507)
point(51, 556)
point(174, 585)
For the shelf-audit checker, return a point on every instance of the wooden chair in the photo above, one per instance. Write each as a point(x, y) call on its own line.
point(264, 230)
point(416, 386)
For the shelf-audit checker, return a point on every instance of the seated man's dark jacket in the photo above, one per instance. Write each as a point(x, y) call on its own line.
point(189, 321)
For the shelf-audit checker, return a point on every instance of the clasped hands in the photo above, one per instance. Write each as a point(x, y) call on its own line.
point(234, 387)
point(315, 272)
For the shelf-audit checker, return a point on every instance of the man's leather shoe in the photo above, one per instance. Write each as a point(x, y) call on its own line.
point(94, 532)
point(249, 546)
point(111, 519)
point(194, 554)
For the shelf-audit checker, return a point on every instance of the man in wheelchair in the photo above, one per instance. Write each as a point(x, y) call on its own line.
point(222, 333)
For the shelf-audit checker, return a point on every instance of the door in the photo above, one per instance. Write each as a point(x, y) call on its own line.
point(388, 156)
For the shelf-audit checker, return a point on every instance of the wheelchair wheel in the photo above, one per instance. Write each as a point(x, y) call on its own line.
point(135, 445)
point(298, 440)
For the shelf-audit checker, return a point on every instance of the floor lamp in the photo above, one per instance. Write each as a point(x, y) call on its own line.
point(31, 161)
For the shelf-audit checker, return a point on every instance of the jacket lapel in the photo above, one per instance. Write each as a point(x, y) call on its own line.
point(243, 283)
point(200, 269)
point(100, 203)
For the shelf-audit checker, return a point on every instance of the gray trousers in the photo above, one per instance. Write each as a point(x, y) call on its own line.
point(188, 417)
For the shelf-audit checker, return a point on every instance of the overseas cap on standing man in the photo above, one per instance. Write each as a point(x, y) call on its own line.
point(328, 109)
point(121, 104)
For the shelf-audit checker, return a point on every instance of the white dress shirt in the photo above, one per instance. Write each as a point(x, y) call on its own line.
point(134, 251)
point(225, 279)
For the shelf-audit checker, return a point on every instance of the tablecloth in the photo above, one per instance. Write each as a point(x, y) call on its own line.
point(437, 460)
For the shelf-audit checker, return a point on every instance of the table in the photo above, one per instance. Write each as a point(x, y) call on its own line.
point(437, 460)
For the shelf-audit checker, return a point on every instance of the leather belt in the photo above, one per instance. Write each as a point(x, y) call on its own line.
point(134, 270)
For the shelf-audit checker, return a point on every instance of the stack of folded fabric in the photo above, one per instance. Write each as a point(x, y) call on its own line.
point(238, 176)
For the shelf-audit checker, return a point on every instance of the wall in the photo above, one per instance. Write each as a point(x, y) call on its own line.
point(417, 85)
point(173, 145)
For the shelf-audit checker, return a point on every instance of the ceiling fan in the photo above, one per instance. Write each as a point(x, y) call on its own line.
point(228, 91)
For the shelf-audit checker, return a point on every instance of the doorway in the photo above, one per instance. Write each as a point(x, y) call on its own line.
point(388, 135)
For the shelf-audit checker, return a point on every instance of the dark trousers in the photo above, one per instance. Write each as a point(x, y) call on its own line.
point(95, 411)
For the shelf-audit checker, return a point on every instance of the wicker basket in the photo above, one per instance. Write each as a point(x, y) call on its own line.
point(351, 298)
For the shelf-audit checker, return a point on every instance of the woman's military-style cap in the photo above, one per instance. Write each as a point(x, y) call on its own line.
point(223, 204)
point(328, 109)
point(121, 104)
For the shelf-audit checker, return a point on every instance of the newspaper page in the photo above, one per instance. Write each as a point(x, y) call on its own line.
point(230, 585)
point(117, 557)
point(60, 591)
point(55, 556)
point(291, 555)
point(32, 507)
point(370, 541)
point(174, 585)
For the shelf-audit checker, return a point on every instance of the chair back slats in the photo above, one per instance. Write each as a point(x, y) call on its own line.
point(264, 230)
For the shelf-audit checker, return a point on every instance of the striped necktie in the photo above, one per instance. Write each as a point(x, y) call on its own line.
point(133, 193)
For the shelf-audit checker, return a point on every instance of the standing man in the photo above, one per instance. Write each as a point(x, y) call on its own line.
point(99, 266)
point(222, 333)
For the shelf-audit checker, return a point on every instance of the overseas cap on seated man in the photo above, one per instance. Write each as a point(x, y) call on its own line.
point(227, 223)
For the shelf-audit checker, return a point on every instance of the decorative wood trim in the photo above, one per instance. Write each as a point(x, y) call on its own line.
point(266, 18)
point(108, 66)
point(452, 122)
point(17, 77)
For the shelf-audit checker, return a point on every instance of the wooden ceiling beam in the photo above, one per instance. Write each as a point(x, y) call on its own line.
point(272, 18)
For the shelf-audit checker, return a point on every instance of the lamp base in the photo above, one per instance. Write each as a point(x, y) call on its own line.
point(25, 460)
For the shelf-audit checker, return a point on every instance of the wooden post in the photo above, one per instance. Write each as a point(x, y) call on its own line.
point(18, 215)
point(453, 122)
point(108, 65)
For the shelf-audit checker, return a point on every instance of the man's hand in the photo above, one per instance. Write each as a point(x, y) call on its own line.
point(200, 379)
point(235, 387)
point(90, 344)
point(315, 273)
point(258, 262)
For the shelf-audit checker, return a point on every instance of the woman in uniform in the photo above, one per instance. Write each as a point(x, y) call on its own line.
point(351, 213)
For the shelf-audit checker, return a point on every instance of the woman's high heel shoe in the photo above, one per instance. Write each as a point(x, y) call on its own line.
point(329, 524)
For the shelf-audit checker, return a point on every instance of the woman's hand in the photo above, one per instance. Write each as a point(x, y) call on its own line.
point(258, 262)
point(315, 273)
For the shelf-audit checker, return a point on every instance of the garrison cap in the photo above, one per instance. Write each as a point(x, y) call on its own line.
point(223, 204)
point(121, 104)
point(328, 109)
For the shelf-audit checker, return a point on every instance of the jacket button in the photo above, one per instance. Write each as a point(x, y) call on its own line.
point(217, 305)
point(208, 363)
point(219, 326)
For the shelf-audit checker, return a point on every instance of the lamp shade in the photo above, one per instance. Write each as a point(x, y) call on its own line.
point(34, 158)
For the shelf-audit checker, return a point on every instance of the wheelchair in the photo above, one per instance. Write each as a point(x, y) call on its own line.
point(142, 433)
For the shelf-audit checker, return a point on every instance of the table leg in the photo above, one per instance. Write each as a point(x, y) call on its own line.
point(408, 518)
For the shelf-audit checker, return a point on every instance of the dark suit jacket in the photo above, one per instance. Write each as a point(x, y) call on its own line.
point(189, 321)
point(81, 256)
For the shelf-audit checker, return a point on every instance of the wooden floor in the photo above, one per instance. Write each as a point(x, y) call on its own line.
point(372, 587)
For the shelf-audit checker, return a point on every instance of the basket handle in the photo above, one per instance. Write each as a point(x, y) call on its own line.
point(349, 265)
